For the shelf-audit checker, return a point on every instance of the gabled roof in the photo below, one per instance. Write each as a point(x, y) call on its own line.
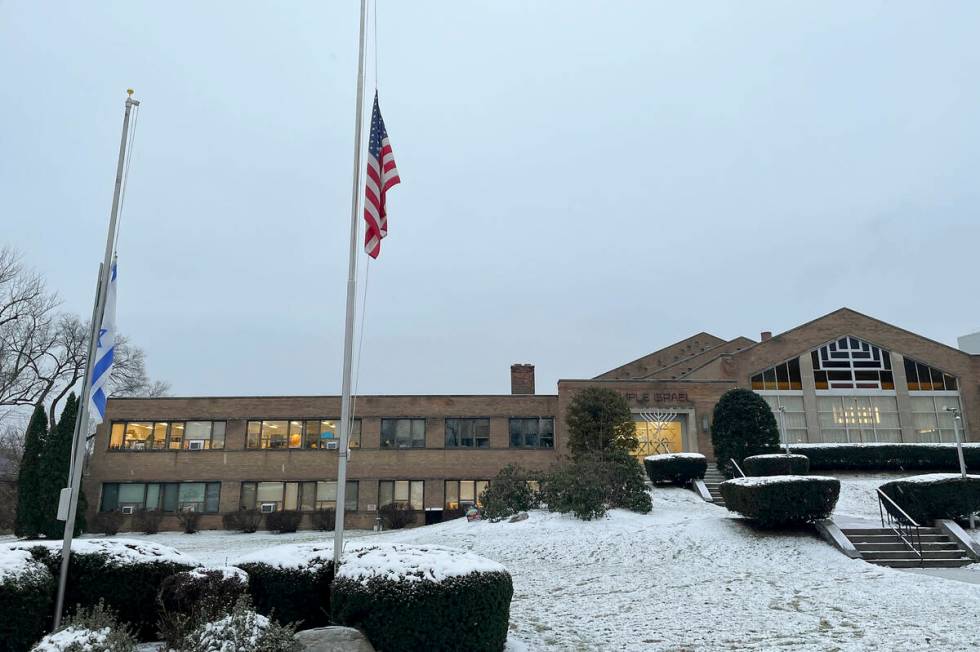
point(661, 358)
point(685, 366)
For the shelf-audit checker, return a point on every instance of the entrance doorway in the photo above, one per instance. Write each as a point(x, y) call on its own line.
point(659, 431)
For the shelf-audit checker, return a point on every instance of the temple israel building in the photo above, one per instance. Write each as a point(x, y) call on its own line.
point(844, 377)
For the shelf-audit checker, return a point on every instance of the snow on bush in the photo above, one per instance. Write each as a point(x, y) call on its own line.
point(398, 595)
point(291, 582)
point(89, 630)
point(118, 552)
point(926, 498)
point(242, 630)
point(26, 598)
point(887, 457)
point(204, 594)
point(776, 464)
point(678, 468)
point(782, 500)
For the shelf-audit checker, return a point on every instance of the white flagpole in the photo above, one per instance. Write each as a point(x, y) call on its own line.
point(81, 423)
point(345, 417)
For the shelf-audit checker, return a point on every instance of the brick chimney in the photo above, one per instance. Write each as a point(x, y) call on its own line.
point(765, 335)
point(522, 379)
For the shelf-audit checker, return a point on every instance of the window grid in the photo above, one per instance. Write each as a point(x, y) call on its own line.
point(468, 433)
point(167, 435)
point(785, 376)
point(532, 432)
point(403, 433)
point(409, 492)
point(850, 363)
point(794, 417)
point(930, 419)
point(923, 378)
point(164, 496)
point(303, 495)
point(859, 418)
point(460, 494)
point(299, 434)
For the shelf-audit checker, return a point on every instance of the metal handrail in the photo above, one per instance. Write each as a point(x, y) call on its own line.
point(904, 526)
point(737, 467)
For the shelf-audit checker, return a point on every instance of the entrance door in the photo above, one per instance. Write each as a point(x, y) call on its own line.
point(659, 432)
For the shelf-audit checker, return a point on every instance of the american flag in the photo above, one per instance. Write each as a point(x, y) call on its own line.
point(381, 175)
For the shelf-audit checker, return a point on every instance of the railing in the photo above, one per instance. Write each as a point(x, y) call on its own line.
point(738, 468)
point(903, 525)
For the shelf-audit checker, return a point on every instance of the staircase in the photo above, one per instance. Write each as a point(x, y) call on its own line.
point(883, 546)
point(712, 479)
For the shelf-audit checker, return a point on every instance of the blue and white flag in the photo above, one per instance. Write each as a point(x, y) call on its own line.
point(104, 352)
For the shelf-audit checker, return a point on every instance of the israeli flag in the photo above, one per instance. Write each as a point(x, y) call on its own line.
point(105, 349)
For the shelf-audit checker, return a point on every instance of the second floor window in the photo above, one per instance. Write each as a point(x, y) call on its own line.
point(294, 433)
point(167, 435)
point(534, 432)
point(403, 433)
point(467, 433)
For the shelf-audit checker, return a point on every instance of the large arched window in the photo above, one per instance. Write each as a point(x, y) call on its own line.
point(850, 363)
point(932, 392)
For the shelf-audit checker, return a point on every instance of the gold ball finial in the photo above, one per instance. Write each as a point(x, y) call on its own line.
point(130, 91)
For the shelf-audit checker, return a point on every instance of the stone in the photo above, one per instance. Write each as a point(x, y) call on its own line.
point(333, 639)
point(518, 517)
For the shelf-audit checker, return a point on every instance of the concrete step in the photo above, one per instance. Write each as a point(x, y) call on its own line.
point(894, 538)
point(925, 563)
point(885, 547)
point(873, 555)
point(887, 530)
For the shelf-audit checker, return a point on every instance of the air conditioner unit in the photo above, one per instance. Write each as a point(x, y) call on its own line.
point(195, 445)
point(331, 445)
point(267, 508)
point(127, 509)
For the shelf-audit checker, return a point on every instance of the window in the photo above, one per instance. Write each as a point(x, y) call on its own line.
point(410, 492)
point(792, 419)
point(859, 419)
point(304, 496)
point(403, 433)
point(326, 495)
point(467, 433)
point(298, 433)
point(931, 420)
point(785, 376)
point(460, 494)
point(850, 363)
point(166, 496)
point(534, 432)
point(923, 378)
point(163, 435)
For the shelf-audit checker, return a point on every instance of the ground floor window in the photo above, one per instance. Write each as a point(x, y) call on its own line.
point(792, 419)
point(129, 497)
point(303, 496)
point(658, 432)
point(410, 492)
point(461, 494)
point(931, 421)
point(859, 418)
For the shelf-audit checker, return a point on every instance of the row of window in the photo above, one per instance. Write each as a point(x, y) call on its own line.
point(525, 432)
point(130, 497)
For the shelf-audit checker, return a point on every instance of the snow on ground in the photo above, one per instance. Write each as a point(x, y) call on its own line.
point(859, 493)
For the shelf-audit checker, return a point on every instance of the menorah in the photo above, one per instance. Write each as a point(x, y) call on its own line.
point(657, 420)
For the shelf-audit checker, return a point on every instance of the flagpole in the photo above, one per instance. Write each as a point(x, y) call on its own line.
point(345, 417)
point(81, 423)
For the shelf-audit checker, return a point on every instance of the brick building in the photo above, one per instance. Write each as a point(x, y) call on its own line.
point(843, 377)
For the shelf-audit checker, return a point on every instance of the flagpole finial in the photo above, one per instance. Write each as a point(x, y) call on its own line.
point(130, 91)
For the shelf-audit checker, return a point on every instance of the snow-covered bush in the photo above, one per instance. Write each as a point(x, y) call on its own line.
point(782, 500)
point(677, 468)
point(283, 521)
point(26, 599)
point(126, 573)
point(395, 516)
point(590, 484)
point(241, 630)
point(888, 457)
point(936, 495)
point(407, 598)
point(742, 425)
point(776, 464)
point(202, 595)
point(89, 630)
point(507, 494)
point(291, 583)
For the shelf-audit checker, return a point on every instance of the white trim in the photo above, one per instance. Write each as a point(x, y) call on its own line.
point(932, 392)
point(778, 392)
point(856, 392)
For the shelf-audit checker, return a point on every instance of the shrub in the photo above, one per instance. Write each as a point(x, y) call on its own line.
point(777, 464)
point(324, 519)
point(244, 520)
point(126, 573)
point(189, 521)
point(926, 498)
point(782, 500)
point(507, 494)
point(743, 425)
point(572, 488)
point(599, 419)
point(625, 485)
point(202, 595)
point(242, 630)
point(395, 516)
point(26, 600)
point(283, 521)
point(677, 468)
point(147, 521)
point(90, 629)
point(108, 522)
point(888, 457)
point(291, 583)
point(440, 598)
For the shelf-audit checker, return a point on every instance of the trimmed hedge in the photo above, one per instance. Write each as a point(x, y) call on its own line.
point(888, 457)
point(284, 521)
point(26, 603)
point(299, 595)
point(127, 586)
point(424, 610)
point(762, 465)
point(198, 596)
point(782, 500)
point(677, 468)
point(940, 495)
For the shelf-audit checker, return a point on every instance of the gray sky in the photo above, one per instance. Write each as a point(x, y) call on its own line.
point(582, 183)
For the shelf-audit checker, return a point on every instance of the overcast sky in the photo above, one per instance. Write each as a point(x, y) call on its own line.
point(582, 183)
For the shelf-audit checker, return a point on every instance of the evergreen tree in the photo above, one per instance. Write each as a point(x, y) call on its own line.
point(54, 473)
point(743, 425)
point(28, 521)
point(599, 420)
